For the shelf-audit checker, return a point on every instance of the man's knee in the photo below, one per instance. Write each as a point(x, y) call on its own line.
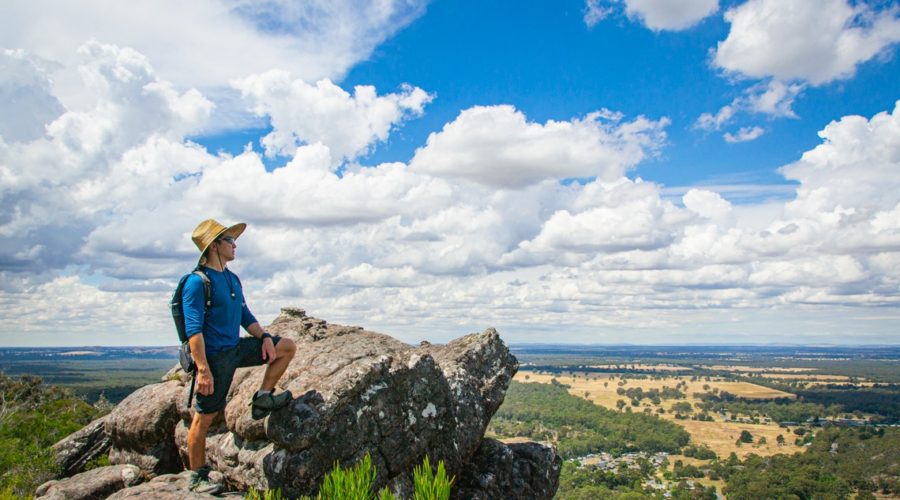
point(202, 421)
point(286, 348)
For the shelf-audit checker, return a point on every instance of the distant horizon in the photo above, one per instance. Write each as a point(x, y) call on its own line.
point(518, 344)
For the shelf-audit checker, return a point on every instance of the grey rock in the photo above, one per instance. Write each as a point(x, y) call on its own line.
point(519, 470)
point(73, 452)
point(360, 392)
point(95, 483)
point(141, 429)
point(164, 487)
point(356, 392)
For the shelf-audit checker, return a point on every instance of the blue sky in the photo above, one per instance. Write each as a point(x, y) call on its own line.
point(543, 59)
point(599, 171)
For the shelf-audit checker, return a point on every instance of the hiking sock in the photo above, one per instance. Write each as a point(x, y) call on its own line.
point(261, 393)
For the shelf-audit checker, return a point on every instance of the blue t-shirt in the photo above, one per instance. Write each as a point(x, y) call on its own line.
point(221, 324)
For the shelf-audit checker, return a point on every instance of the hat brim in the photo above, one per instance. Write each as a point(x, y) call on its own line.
point(234, 231)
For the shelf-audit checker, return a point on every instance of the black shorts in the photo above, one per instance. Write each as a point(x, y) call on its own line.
point(222, 365)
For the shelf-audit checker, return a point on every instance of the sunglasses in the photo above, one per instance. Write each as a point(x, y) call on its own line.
point(227, 239)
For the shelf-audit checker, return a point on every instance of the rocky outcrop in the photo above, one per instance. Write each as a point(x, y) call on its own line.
point(95, 483)
point(165, 487)
point(357, 393)
point(518, 470)
point(140, 429)
point(79, 448)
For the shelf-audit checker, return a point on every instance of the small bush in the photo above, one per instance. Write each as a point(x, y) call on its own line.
point(354, 483)
point(431, 485)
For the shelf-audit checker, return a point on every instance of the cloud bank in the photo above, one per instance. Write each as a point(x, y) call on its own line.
point(484, 225)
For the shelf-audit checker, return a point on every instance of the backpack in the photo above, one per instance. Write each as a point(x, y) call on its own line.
point(177, 306)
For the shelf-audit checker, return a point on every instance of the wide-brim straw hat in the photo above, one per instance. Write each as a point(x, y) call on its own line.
point(209, 230)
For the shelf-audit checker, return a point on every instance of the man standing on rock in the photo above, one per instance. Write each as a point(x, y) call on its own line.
point(213, 332)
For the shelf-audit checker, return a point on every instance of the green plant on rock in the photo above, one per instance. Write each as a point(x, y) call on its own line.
point(265, 495)
point(357, 482)
point(33, 416)
point(430, 484)
point(354, 483)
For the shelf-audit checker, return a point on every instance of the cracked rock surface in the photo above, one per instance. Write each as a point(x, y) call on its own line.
point(356, 392)
point(95, 483)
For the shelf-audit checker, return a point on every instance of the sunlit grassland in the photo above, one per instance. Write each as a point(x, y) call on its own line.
point(721, 436)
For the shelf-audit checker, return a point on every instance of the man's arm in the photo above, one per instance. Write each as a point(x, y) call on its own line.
point(194, 305)
point(204, 376)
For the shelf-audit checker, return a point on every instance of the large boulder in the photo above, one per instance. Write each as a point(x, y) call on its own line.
point(357, 393)
point(141, 429)
point(95, 483)
point(164, 487)
point(73, 452)
point(360, 393)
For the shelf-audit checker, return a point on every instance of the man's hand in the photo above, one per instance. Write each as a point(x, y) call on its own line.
point(268, 350)
point(204, 381)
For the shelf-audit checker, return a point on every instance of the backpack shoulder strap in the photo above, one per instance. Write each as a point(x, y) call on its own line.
point(207, 285)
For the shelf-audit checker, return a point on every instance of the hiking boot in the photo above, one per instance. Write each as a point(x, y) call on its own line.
point(267, 403)
point(199, 482)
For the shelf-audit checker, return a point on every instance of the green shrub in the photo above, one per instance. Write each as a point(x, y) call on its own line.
point(429, 484)
point(356, 483)
point(33, 417)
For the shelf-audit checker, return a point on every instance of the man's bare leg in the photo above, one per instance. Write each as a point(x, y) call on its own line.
point(284, 353)
point(197, 439)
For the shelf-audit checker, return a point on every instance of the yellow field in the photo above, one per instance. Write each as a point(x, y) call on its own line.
point(721, 437)
point(718, 435)
point(606, 396)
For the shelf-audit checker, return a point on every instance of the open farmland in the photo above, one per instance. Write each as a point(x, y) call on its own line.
point(722, 436)
point(719, 435)
point(605, 395)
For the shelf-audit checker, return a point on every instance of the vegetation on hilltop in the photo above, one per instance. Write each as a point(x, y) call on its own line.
point(779, 410)
point(839, 461)
point(881, 400)
point(33, 417)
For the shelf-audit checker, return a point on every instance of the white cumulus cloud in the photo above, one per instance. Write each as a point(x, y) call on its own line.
point(497, 146)
point(656, 15)
point(207, 43)
point(674, 16)
point(817, 42)
point(347, 124)
point(25, 96)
